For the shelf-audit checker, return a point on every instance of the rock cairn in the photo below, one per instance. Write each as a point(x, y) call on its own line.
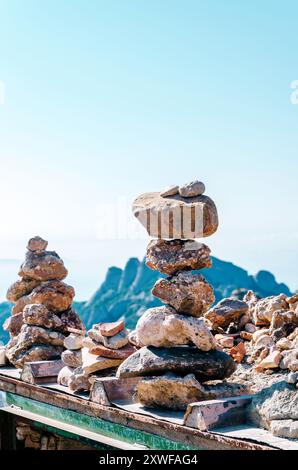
point(100, 353)
point(260, 332)
point(42, 312)
point(178, 353)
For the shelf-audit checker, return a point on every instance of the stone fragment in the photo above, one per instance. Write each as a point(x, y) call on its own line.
point(245, 335)
point(224, 341)
point(290, 361)
point(263, 310)
point(92, 363)
point(226, 311)
point(2, 356)
point(64, 376)
point(284, 343)
point(187, 292)
point(112, 342)
point(79, 381)
point(281, 318)
point(111, 329)
point(170, 191)
point(250, 328)
point(163, 327)
point(271, 361)
point(30, 335)
point(292, 378)
point(20, 288)
point(71, 321)
point(176, 217)
point(13, 324)
point(170, 256)
point(39, 315)
point(259, 333)
point(43, 266)
point(37, 244)
point(181, 360)
point(286, 428)
point(251, 298)
point(72, 358)
point(238, 352)
point(55, 295)
point(73, 342)
point(264, 341)
point(192, 189)
point(20, 305)
point(122, 353)
point(176, 393)
point(39, 352)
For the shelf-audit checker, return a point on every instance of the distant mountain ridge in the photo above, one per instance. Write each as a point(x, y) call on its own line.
point(127, 292)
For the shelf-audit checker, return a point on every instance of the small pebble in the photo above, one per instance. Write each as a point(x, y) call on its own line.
point(192, 189)
point(170, 191)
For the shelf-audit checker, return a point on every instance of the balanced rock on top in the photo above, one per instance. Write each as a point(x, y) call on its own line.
point(43, 266)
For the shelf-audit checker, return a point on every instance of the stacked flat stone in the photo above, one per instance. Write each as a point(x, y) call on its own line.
point(100, 353)
point(178, 353)
point(42, 313)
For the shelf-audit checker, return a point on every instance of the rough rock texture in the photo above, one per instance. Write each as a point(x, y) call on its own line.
point(111, 329)
point(92, 363)
point(277, 402)
point(187, 292)
point(176, 216)
point(163, 327)
point(43, 266)
point(79, 381)
point(264, 309)
point(13, 324)
point(226, 311)
point(287, 428)
point(37, 244)
point(64, 375)
point(39, 315)
point(172, 392)
point(112, 342)
point(57, 296)
point(170, 191)
point(170, 256)
point(39, 352)
point(71, 320)
point(192, 189)
point(30, 335)
point(72, 358)
point(211, 365)
point(73, 342)
point(20, 288)
point(281, 318)
point(122, 353)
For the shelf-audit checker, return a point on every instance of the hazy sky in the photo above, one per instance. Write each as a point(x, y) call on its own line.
point(103, 100)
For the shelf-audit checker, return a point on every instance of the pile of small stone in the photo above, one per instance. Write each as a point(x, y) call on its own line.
point(42, 313)
point(178, 353)
point(100, 353)
point(260, 332)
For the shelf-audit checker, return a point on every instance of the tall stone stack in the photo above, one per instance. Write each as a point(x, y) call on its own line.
point(178, 355)
point(42, 314)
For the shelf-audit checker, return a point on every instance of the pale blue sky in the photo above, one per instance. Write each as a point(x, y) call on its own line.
point(108, 99)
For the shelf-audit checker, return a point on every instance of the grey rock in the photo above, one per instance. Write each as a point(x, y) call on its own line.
point(192, 189)
point(170, 191)
point(226, 311)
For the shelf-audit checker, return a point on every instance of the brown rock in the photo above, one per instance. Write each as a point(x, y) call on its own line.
point(170, 256)
point(39, 315)
point(283, 317)
point(226, 311)
point(72, 358)
point(20, 288)
point(238, 352)
point(79, 381)
point(55, 295)
point(64, 376)
point(30, 335)
point(176, 393)
point(224, 341)
point(112, 342)
point(192, 189)
point(176, 216)
point(20, 305)
point(264, 309)
point(37, 244)
point(43, 266)
point(111, 329)
point(71, 321)
point(181, 360)
point(187, 292)
point(13, 324)
point(92, 363)
point(41, 352)
point(163, 327)
point(271, 361)
point(122, 353)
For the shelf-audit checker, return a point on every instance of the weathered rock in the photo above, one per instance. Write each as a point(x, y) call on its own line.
point(181, 360)
point(284, 343)
point(42, 352)
point(264, 309)
point(71, 321)
point(176, 216)
point(73, 342)
point(79, 381)
point(292, 378)
point(13, 324)
point(289, 360)
point(238, 352)
point(170, 191)
point(122, 353)
point(2, 356)
point(92, 363)
point(286, 428)
point(172, 392)
point(224, 341)
point(20, 305)
point(192, 189)
point(163, 327)
point(55, 295)
point(30, 335)
point(39, 315)
point(43, 266)
point(111, 329)
point(112, 342)
point(64, 375)
point(170, 256)
point(226, 311)
point(187, 292)
point(20, 288)
point(72, 358)
point(264, 341)
point(37, 244)
point(281, 318)
point(271, 361)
